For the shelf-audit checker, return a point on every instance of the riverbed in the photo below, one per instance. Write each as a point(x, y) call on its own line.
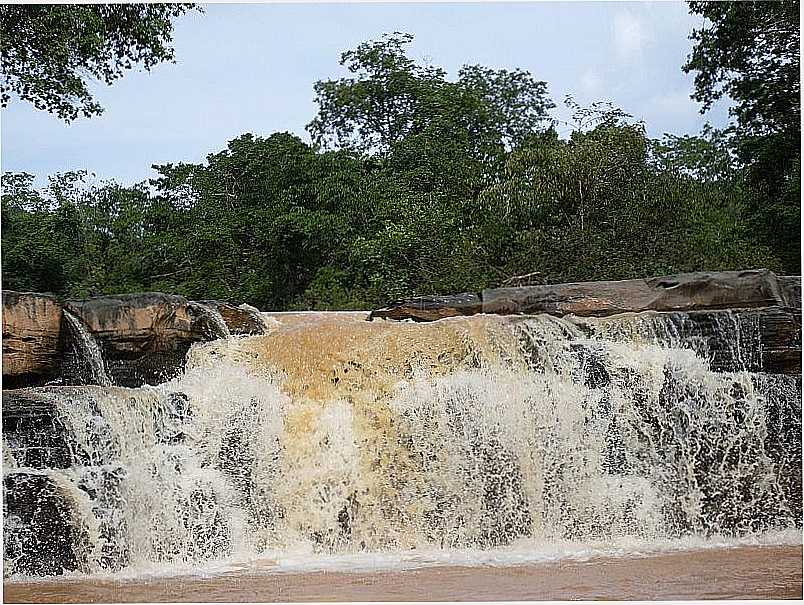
point(740, 572)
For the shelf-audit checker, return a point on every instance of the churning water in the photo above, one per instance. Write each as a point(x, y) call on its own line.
point(469, 439)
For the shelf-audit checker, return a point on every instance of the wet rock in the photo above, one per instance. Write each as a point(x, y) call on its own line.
point(40, 536)
point(240, 319)
point(683, 292)
point(31, 338)
point(754, 340)
point(791, 290)
point(32, 430)
point(779, 337)
point(431, 308)
point(143, 337)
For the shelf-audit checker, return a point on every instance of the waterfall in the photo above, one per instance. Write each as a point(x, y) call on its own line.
point(256, 316)
point(335, 436)
point(88, 350)
point(214, 324)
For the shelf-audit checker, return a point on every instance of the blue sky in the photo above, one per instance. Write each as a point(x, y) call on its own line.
point(251, 68)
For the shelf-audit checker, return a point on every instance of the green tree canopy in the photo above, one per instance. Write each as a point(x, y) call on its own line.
point(49, 52)
point(458, 187)
point(391, 98)
point(750, 52)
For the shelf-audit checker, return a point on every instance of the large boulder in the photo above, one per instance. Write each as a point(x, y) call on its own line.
point(31, 338)
point(143, 337)
point(239, 319)
point(683, 292)
point(431, 308)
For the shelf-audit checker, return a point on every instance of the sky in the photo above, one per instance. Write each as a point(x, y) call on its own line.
point(251, 67)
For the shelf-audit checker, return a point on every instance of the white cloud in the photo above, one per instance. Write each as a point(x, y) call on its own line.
point(630, 36)
point(591, 83)
point(677, 103)
point(672, 111)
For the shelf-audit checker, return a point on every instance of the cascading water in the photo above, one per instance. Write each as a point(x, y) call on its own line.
point(214, 325)
point(256, 317)
point(335, 436)
point(88, 351)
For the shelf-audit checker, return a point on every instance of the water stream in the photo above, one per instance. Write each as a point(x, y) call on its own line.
point(88, 351)
point(333, 436)
point(214, 325)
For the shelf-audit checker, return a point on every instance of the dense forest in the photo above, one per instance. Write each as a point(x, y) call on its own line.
point(416, 183)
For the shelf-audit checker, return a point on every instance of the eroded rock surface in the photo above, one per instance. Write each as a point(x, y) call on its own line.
point(31, 332)
point(684, 292)
point(144, 337)
point(431, 308)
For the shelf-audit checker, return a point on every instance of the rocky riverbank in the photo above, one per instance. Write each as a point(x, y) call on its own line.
point(143, 338)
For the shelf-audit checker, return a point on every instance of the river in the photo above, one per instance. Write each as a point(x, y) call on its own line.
point(740, 572)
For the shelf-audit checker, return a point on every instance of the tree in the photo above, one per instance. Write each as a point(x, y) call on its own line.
point(49, 52)
point(601, 205)
point(750, 51)
point(418, 185)
point(392, 98)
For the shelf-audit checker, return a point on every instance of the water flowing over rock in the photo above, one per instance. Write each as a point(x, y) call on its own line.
point(130, 339)
point(239, 319)
point(328, 434)
point(209, 319)
point(143, 337)
point(87, 353)
point(756, 340)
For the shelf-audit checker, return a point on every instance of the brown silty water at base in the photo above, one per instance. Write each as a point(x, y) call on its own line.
point(733, 573)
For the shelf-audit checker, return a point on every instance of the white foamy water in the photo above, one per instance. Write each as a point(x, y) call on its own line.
point(88, 350)
point(337, 444)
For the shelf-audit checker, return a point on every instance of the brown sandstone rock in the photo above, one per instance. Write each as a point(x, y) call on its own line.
point(240, 319)
point(431, 308)
point(683, 292)
point(31, 331)
point(143, 337)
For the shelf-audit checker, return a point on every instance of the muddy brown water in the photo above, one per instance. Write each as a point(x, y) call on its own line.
point(753, 572)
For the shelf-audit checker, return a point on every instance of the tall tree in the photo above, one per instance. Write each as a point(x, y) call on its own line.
point(391, 98)
point(49, 52)
point(750, 51)
point(433, 186)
